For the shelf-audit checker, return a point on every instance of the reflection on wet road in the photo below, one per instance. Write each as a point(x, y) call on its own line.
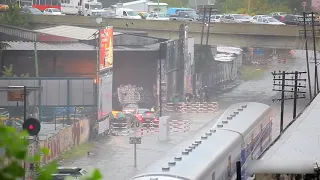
point(114, 156)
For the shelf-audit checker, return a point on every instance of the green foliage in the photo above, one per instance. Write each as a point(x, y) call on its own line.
point(253, 7)
point(12, 16)
point(14, 153)
point(8, 72)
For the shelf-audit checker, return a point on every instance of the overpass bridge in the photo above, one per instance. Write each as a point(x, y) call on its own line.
point(229, 34)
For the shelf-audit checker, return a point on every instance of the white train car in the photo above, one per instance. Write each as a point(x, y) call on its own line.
point(242, 129)
point(296, 151)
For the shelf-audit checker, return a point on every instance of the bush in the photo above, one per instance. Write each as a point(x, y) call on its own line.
point(14, 154)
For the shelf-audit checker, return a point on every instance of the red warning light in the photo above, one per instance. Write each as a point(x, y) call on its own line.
point(31, 127)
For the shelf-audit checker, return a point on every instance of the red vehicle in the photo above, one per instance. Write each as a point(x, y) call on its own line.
point(44, 4)
point(145, 116)
point(41, 4)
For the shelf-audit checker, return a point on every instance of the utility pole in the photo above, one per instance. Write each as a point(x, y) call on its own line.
point(280, 84)
point(203, 22)
point(209, 22)
point(307, 55)
point(316, 82)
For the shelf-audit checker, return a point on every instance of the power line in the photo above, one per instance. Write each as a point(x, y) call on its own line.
point(281, 83)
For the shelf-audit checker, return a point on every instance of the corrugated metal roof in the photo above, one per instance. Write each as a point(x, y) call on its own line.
point(29, 46)
point(19, 32)
point(72, 32)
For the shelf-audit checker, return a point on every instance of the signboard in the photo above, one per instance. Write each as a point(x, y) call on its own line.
point(16, 95)
point(304, 4)
point(258, 51)
point(106, 47)
point(135, 140)
point(105, 94)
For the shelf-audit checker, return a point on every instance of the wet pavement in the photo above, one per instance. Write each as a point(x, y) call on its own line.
point(114, 156)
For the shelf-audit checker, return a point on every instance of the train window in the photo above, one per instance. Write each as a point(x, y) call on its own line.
point(213, 176)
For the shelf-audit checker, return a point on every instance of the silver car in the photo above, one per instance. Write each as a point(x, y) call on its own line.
point(235, 18)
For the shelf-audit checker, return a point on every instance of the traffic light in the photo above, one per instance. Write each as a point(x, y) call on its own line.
point(32, 126)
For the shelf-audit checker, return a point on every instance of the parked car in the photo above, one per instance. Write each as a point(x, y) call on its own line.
point(254, 19)
point(31, 10)
point(52, 11)
point(157, 16)
point(184, 16)
point(235, 18)
point(104, 14)
point(269, 20)
point(215, 18)
point(291, 19)
point(278, 15)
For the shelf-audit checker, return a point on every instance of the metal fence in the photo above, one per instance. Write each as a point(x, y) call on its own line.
point(55, 91)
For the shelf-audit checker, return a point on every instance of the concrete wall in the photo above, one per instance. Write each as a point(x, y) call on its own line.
point(61, 140)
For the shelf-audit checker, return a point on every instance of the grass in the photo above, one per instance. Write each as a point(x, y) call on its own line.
point(251, 72)
point(77, 152)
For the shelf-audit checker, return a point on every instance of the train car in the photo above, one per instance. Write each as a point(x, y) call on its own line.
point(241, 133)
point(294, 154)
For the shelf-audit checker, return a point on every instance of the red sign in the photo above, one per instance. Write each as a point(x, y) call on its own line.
point(106, 47)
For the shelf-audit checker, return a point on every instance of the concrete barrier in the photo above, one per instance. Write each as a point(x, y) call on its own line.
point(197, 107)
point(61, 140)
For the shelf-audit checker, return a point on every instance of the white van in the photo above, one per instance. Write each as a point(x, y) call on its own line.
point(127, 13)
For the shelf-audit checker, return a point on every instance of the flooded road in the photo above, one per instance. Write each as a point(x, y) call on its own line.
point(114, 155)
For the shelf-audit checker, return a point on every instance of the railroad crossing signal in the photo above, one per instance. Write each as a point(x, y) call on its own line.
point(135, 140)
point(32, 126)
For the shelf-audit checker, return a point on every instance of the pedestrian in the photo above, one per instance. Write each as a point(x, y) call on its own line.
point(175, 101)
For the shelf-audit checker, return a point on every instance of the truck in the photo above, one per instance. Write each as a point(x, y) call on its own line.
point(127, 13)
point(90, 7)
point(184, 16)
point(81, 7)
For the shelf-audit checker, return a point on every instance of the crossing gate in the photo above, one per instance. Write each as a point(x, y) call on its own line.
point(175, 126)
point(196, 107)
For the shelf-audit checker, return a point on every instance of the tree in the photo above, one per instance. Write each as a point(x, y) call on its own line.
point(8, 72)
point(13, 16)
point(256, 6)
point(14, 152)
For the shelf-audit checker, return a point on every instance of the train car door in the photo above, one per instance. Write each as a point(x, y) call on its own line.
point(213, 176)
point(229, 167)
